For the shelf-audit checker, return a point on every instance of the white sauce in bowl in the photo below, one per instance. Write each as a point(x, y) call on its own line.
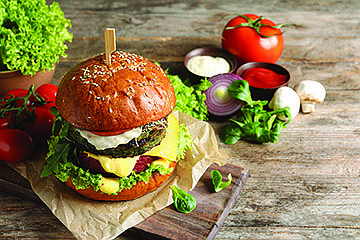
point(208, 66)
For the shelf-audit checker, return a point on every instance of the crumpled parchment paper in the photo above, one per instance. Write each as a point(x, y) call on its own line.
point(89, 219)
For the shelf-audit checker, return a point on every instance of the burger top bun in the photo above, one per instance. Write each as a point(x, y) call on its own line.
point(128, 93)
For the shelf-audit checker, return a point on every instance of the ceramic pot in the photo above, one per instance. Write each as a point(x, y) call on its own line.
point(15, 79)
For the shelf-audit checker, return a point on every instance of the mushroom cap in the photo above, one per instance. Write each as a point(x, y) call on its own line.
point(285, 97)
point(310, 91)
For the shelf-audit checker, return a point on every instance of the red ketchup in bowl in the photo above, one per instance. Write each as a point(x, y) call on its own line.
point(263, 78)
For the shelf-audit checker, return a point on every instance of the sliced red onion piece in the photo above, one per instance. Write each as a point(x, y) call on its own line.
point(217, 99)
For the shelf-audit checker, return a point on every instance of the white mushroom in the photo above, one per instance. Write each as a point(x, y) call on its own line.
point(310, 92)
point(285, 97)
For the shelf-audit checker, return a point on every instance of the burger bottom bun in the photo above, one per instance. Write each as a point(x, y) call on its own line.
point(138, 190)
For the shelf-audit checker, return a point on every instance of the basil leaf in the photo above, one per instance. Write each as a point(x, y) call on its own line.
point(183, 202)
point(217, 180)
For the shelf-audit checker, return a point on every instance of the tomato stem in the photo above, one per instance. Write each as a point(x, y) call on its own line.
point(18, 115)
point(257, 25)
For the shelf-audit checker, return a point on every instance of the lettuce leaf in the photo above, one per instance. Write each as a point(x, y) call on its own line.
point(32, 35)
point(185, 141)
point(190, 99)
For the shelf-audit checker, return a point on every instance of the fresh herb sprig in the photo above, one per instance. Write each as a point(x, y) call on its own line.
point(217, 180)
point(255, 123)
point(183, 201)
point(19, 110)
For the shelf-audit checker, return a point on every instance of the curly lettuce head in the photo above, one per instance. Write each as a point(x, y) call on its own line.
point(32, 35)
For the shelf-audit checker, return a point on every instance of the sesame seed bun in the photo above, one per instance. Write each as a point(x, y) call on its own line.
point(125, 94)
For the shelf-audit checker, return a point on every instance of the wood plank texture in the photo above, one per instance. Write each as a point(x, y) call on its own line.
point(306, 186)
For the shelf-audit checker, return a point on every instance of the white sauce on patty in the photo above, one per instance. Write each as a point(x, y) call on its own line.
point(104, 142)
point(208, 66)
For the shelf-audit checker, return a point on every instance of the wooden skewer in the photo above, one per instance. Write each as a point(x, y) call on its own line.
point(110, 43)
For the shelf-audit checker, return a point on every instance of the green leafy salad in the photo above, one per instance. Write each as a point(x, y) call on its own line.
point(32, 35)
point(254, 123)
point(190, 99)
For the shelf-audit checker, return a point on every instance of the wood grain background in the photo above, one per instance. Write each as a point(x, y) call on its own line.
point(306, 186)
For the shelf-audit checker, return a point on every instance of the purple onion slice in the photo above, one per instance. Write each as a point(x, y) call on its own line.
point(218, 102)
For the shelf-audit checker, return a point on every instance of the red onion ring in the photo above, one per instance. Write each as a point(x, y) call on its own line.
point(218, 102)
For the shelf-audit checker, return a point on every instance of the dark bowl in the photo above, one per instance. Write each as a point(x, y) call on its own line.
point(209, 51)
point(264, 93)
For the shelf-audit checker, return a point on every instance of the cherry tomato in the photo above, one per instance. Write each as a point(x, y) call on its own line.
point(247, 44)
point(15, 145)
point(4, 123)
point(40, 129)
point(17, 93)
point(47, 91)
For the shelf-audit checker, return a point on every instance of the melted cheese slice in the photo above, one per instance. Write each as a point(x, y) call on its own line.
point(167, 151)
point(109, 185)
point(168, 147)
point(119, 166)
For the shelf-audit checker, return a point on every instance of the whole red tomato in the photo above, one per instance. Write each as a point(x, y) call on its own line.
point(15, 145)
point(252, 39)
point(40, 129)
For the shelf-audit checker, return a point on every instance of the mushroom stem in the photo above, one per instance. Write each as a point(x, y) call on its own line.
point(310, 92)
point(308, 107)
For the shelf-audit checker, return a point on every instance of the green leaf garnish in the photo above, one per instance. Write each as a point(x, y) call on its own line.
point(217, 180)
point(255, 124)
point(183, 201)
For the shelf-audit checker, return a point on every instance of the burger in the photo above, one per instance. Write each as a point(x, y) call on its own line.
point(115, 136)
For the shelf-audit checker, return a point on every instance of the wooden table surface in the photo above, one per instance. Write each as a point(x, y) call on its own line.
point(306, 186)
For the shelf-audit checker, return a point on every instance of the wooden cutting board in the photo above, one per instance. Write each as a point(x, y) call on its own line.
point(202, 223)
